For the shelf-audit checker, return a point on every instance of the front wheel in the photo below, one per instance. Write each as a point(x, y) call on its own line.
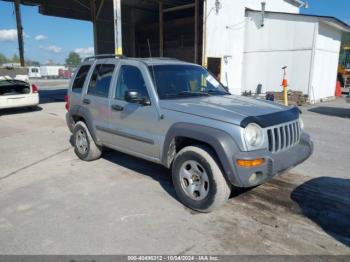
point(198, 179)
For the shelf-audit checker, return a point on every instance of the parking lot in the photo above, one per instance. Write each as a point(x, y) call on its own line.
point(53, 203)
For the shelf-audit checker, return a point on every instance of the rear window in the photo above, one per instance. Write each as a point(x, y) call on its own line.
point(101, 80)
point(79, 80)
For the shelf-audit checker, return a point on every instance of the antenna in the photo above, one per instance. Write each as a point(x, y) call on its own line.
point(152, 66)
point(161, 116)
point(149, 48)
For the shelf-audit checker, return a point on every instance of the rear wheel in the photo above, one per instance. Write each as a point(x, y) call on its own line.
point(198, 179)
point(84, 145)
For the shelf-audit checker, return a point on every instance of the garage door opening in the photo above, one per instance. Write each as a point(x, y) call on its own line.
point(214, 66)
point(174, 29)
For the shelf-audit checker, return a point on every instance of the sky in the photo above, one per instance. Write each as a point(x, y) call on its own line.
point(337, 8)
point(52, 38)
point(46, 37)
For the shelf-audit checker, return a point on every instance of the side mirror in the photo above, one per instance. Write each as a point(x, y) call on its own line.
point(133, 96)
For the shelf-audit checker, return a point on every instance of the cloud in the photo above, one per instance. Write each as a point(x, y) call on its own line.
point(40, 37)
point(7, 35)
point(52, 48)
point(88, 51)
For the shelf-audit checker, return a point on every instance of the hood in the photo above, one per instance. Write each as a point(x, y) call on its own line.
point(232, 109)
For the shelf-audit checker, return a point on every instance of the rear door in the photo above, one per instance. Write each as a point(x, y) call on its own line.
point(76, 90)
point(134, 126)
point(96, 97)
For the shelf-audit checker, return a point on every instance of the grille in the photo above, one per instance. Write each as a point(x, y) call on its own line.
point(283, 136)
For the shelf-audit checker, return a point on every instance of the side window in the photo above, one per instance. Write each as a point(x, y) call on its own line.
point(79, 80)
point(130, 78)
point(101, 80)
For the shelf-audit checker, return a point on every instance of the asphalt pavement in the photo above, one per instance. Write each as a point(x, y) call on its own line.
point(53, 203)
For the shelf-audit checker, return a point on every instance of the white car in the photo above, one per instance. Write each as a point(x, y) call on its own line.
point(15, 89)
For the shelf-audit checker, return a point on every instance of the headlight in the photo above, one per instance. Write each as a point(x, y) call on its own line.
point(301, 123)
point(253, 135)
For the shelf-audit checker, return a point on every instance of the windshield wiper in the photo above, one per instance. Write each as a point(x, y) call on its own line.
point(212, 91)
point(187, 93)
point(193, 93)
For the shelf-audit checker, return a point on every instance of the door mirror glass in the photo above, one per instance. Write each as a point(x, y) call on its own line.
point(132, 96)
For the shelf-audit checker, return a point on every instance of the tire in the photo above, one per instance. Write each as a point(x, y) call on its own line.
point(84, 145)
point(203, 194)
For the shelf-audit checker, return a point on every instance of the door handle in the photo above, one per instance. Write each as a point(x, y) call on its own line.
point(117, 108)
point(86, 101)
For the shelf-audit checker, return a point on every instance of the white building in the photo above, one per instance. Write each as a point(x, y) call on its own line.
point(254, 46)
point(233, 38)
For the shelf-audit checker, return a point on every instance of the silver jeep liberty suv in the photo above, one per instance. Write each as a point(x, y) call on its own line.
point(178, 115)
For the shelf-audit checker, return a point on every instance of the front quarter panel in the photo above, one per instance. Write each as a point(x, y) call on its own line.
point(224, 138)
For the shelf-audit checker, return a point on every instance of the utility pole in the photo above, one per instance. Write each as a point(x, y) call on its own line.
point(196, 22)
point(118, 41)
point(161, 29)
point(19, 31)
point(94, 24)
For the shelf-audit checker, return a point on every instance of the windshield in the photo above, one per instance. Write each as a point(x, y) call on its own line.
point(179, 81)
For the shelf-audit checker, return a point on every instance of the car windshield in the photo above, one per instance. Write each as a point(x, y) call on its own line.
point(179, 81)
point(10, 81)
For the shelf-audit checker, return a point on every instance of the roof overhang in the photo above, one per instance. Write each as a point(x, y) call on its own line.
point(329, 20)
point(81, 9)
point(297, 3)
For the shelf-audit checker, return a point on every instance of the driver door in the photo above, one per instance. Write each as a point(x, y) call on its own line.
point(133, 125)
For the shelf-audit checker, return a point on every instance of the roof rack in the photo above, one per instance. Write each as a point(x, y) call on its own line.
point(103, 56)
point(161, 58)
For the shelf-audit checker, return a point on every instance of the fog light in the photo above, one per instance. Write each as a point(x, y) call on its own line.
point(256, 178)
point(250, 163)
point(252, 178)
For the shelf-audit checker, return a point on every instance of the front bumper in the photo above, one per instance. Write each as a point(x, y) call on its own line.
point(275, 163)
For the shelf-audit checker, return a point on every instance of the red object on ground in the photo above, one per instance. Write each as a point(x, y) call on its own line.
point(338, 89)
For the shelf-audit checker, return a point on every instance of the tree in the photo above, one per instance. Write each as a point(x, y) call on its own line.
point(73, 59)
point(15, 58)
point(32, 63)
point(3, 59)
point(344, 54)
point(346, 40)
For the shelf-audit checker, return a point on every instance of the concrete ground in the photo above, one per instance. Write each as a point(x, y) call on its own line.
point(53, 203)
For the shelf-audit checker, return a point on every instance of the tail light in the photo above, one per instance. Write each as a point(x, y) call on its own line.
point(66, 98)
point(34, 89)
